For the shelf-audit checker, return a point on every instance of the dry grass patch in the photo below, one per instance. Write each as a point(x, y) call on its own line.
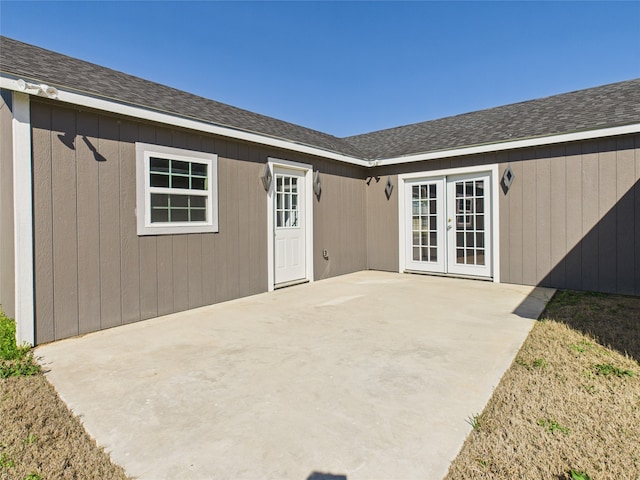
point(39, 437)
point(569, 405)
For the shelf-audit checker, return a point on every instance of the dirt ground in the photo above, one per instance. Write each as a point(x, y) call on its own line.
point(570, 401)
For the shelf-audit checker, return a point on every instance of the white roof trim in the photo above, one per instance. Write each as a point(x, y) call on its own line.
point(528, 142)
point(11, 83)
point(170, 119)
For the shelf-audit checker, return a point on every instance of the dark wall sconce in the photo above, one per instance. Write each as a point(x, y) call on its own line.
point(317, 186)
point(266, 177)
point(388, 188)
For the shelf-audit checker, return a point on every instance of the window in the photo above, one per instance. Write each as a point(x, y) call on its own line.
point(177, 190)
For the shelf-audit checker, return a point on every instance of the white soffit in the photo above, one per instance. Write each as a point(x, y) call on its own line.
point(113, 106)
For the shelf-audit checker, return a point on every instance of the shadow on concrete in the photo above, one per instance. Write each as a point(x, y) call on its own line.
point(535, 303)
point(325, 476)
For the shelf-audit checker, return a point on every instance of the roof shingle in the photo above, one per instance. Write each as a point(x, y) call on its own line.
point(610, 105)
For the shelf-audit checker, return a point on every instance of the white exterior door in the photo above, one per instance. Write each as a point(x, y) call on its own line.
point(289, 225)
point(469, 225)
point(425, 226)
point(448, 224)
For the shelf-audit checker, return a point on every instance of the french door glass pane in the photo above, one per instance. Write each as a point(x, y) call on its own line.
point(424, 210)
point(470, 232)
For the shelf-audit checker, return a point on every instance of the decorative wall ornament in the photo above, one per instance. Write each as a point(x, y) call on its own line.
point(266, 177)
point(507, 179)
point(317, 187)
point(388, 188)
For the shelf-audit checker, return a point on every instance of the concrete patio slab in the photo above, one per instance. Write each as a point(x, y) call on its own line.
point(364, 376)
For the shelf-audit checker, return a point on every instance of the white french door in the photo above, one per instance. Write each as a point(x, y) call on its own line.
point(289, 225)
point(448, 224)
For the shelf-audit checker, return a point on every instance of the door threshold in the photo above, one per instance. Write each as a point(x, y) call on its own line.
point(450, 275)
point(290, 283)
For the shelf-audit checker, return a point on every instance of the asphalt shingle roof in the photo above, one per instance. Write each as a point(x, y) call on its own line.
point(610, 105)
point(606, 106)
point(44, 66)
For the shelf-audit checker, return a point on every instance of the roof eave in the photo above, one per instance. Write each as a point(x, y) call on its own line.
point(9, 81)
point(537, 141)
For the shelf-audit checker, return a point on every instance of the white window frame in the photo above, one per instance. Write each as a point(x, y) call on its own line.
point(144, 152)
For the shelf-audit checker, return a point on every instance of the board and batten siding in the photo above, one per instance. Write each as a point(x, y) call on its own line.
point(572, 216)
point(92, 270)
point(7, 261)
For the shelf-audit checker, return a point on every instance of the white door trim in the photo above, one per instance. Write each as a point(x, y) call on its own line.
point(492, 169)
point(308, 215)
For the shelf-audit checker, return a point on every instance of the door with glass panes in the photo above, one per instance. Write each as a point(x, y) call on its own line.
point(448, 224)
point(289, 225)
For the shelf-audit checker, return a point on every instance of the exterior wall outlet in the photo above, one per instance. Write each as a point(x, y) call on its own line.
point(325, 254)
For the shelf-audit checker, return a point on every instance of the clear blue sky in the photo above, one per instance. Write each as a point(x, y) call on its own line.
point(347, 67)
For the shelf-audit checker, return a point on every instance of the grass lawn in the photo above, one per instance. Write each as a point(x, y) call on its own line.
point(568, 408)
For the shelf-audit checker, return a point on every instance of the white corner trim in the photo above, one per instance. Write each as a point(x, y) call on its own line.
point(495, 209)
point(23, 220)
point(497, 147)
point(308, 185)
point(113, 106)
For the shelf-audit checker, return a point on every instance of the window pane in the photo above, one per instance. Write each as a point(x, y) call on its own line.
point(159, 200)
point(459, 189)
point(434, 254)
point(416, 254)
point(415, 193)
point(460, 255)
point(470, 259)
point(479, 222)
point(197, 201)
point(198, 183)
point(432, 222)
point(433, 239)
point(178, 167)
point(198, 215)
point(199, 169)
point(470, 240)
point(480, 205)
point(480, 240)
point(159, 165)
point(432, 191)
point(180, 215)
point(179, 201)
point(469, 189)
point(159, 180)
point(179, 182)
point(425, 254)
point(480, 257)
point(159, 215)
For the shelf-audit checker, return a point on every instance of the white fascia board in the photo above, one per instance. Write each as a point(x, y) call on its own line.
point(497, 147)
point(23, 220)
point(113, 106)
